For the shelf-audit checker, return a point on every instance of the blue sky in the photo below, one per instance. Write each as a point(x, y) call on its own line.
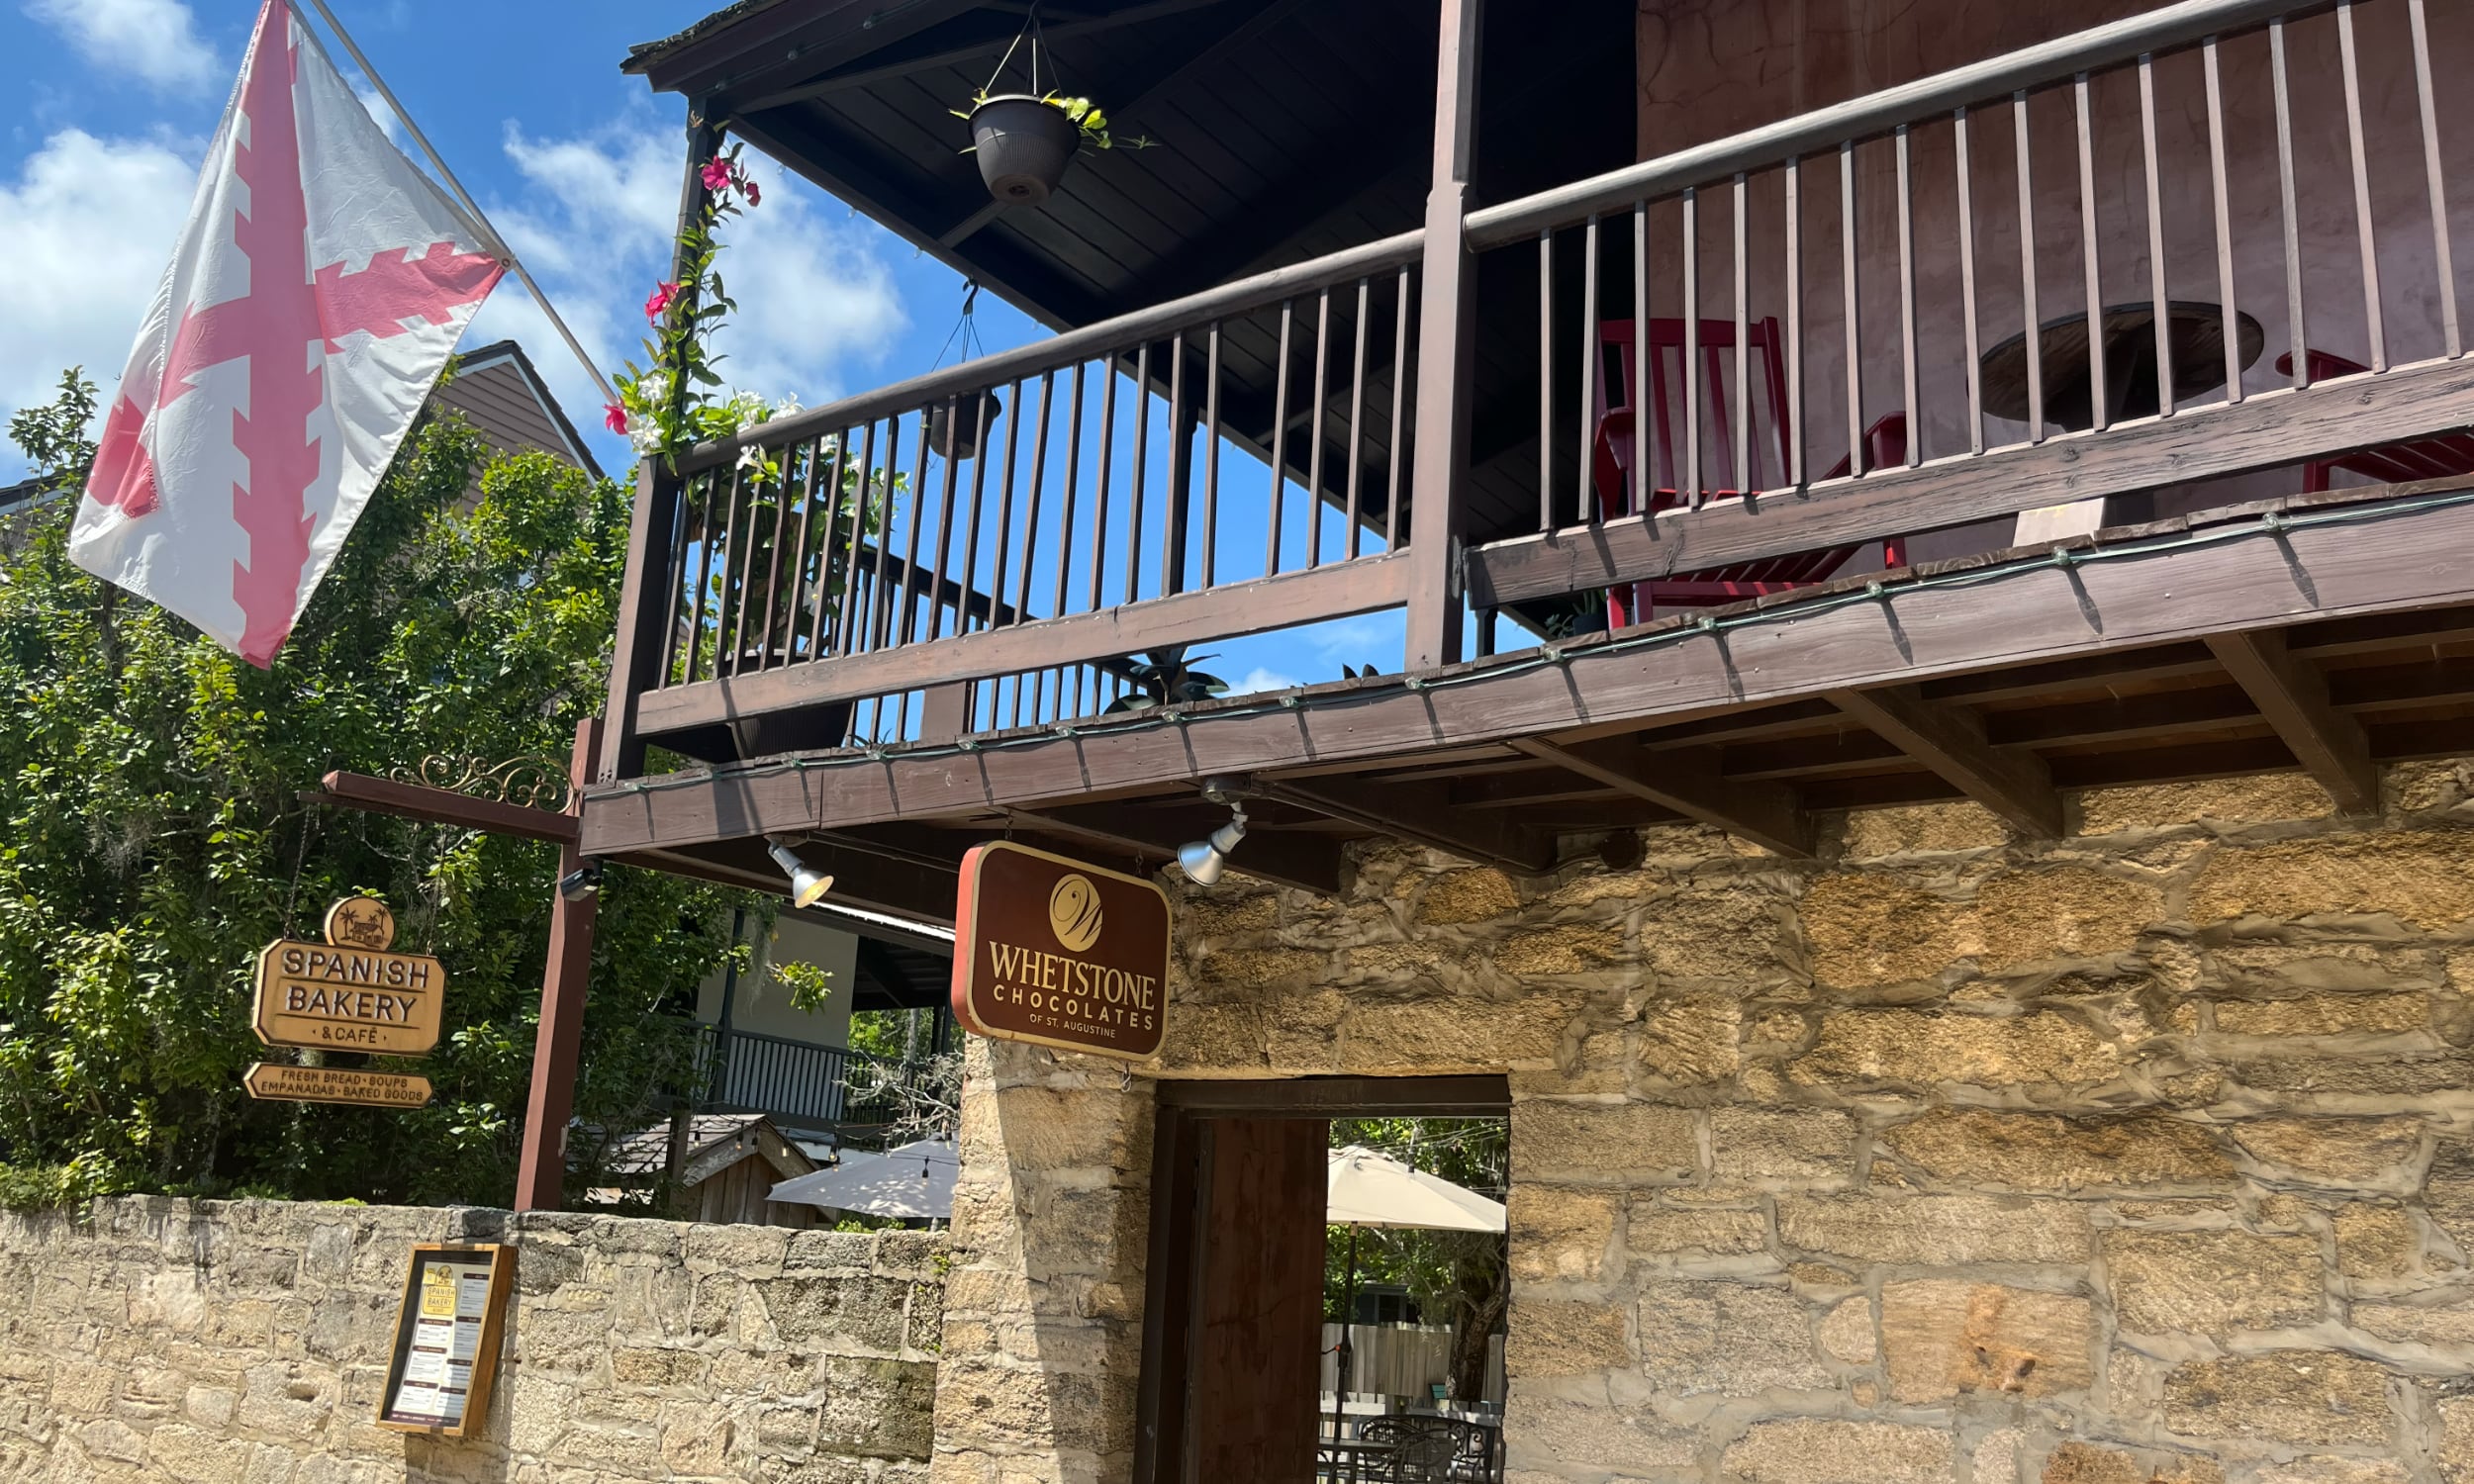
point(106, 107)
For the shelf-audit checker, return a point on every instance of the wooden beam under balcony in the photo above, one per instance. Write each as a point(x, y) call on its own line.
point(1688, 782)
point(2128, 605)
point(2293, 696)
point(1287, 859)
point(1950, 740)
point(1423, 814)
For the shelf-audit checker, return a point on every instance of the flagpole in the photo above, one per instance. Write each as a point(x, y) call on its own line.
point(460, 198)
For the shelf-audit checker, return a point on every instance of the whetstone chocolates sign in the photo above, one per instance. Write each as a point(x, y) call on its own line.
point(349, 993)
point(1057, 952)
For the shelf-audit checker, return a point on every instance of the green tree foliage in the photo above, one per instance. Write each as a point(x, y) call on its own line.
point(153, 838)
point(1456, 1278)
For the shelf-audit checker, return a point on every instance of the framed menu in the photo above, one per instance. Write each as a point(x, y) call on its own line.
point(446, 1339)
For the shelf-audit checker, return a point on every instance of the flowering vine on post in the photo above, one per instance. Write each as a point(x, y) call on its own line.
point(774, 504)
point(676, 401)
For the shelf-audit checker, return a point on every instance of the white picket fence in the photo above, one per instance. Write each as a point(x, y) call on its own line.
point(1402, 1360)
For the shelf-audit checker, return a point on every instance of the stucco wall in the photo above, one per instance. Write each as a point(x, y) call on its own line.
point(159, 1339)
point(2146, 1154)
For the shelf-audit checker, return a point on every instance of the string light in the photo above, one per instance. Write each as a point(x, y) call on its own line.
point(1544, 656)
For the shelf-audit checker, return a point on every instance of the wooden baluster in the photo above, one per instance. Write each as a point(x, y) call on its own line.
point(2441, 257)
point(2371, 316)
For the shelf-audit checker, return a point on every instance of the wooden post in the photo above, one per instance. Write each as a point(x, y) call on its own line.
point(560, 1035)
point(1445, 355)
point(643, 614)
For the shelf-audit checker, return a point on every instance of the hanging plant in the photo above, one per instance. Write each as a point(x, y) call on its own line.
point(1024, 140)
point(1167, 678)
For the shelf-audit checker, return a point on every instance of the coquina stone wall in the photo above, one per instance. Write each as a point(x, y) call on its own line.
point(212, 1342)
point(2140, 1156)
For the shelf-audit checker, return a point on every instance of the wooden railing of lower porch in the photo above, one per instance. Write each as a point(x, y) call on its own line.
point(994, 545)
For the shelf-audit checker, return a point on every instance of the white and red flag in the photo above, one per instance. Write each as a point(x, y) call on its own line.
point(315, 293)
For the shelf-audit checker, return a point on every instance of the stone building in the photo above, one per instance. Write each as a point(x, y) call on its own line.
point(2144, 1154)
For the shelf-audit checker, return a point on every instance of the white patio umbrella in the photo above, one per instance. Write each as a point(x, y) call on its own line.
point(915, 1179)
point(1363, 1189)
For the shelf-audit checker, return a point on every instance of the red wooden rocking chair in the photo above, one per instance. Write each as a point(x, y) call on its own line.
point(2390, 463)
point(1726, 470)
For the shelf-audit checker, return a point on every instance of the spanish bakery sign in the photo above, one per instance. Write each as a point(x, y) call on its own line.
point(349, 992)
point(1060, 953)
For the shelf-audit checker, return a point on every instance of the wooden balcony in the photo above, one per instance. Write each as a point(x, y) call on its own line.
point(916, 633)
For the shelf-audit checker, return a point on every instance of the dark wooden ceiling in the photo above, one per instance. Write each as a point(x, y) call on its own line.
point(1284, 130)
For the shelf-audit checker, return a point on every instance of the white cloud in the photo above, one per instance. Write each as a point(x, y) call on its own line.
point(157, 39)
point(1262, 678)
point(817, 305)
point(86, 228)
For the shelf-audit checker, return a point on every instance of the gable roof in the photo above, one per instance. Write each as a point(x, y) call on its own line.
point(502, 394)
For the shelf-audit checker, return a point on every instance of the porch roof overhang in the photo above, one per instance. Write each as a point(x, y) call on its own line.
point(2329, 632)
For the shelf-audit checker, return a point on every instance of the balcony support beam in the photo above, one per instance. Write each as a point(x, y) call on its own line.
point(1950, 740)
point(1446, 350)
point(1287, 859)
point(1690, 784)
point(1421, 814)
point(2293, 696)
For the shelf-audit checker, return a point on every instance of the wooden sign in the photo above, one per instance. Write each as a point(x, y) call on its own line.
point(282, 1082)
point(1057, 952)
point(349, 993)
point(447, 1335)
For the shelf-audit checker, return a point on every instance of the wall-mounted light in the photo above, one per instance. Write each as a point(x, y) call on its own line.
point(581, 884)
point(806, 886)
point(1204, 860)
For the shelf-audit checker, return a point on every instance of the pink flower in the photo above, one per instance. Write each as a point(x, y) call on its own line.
point(615, 418)
point(748, 183)
point(662, 294)
point(718, 174)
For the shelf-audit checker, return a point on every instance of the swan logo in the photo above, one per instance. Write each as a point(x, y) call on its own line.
point(1073, 912)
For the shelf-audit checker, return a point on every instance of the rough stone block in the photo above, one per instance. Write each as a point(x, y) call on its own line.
point(2256, 799)
point(1478, 894)
point(1561, 1234)
point(1918, 829)
point(1940, 1338)
point(1782, 1148)
point(2323, 1468)
point(2376, 1242)
point(1939, 1231)
point(2421, 878)
point(1819, 1452)
point(2038, 1151)
point(1462, 1034)
point(2324, 1015)
point(1876, 1046)
point(2359, 1152)
point(1565, 1337)
point(1665, 1234)
point(2088, 1464)
point(2062, 912)
point(1728, 1339)
point(2212, 1282)
point(2289, 1396)
point(1728, 934)
point(1689, 1043)
point(1865, 930)
point(2444, 1317)
point(1601, 1140)
point(1550, 1430)
point(1570, 948)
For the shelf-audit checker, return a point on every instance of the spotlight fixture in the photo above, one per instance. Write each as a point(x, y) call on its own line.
point(1204, 860)
point(807, 887)
point(582, 884)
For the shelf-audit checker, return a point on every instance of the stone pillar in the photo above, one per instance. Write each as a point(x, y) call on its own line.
point(1043, 1313)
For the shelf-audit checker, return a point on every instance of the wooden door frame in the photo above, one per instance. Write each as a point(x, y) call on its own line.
point(1180, 1110)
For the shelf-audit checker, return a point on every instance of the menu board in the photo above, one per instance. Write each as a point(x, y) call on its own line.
point(446, 1339)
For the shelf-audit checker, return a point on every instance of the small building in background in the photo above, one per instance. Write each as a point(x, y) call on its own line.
point(727, 1163)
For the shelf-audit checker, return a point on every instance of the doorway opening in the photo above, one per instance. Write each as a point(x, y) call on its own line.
point(1268, 1353)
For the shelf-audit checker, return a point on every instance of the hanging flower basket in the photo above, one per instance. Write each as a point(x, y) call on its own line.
point(1023, 145)
point(955, 426)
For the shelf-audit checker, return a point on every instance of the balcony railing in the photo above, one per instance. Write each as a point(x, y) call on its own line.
point(1840, 301)
point(796, 1082)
